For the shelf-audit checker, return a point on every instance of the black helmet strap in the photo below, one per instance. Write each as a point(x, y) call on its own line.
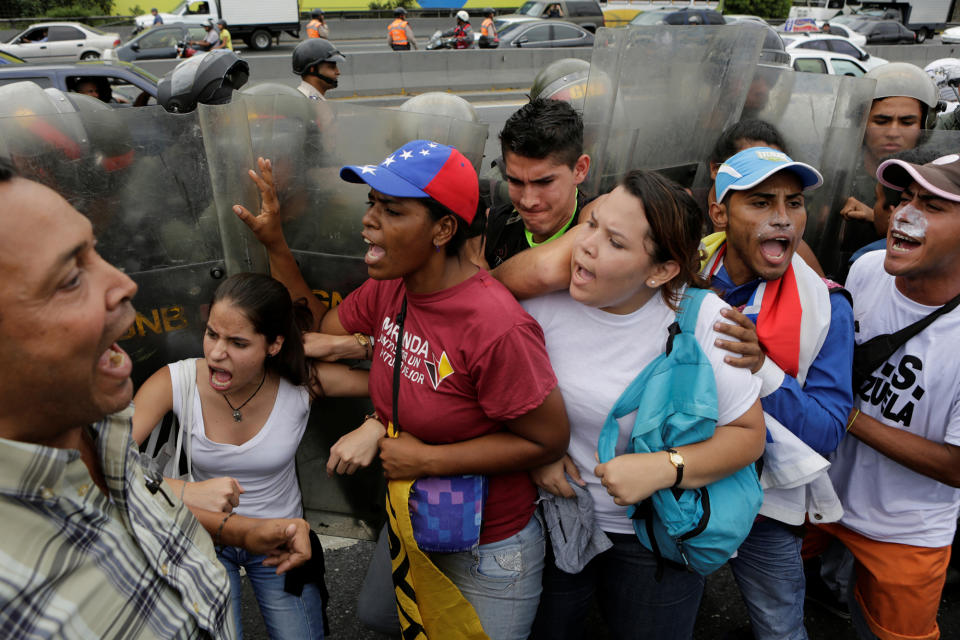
point(311, 71)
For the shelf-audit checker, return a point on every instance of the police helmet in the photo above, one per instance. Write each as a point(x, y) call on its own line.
point(399, 11)
point(312, 52)
point(205, 78)
point(909, 80)
point(559, 75)
point(440, 103)
point(463, 15)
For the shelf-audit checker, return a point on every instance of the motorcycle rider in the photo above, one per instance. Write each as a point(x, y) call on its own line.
point(399, 34)
point(209, 41)
point(315, 61)
point(462, 34)
point(317, 27)
point(226, 40)
point(489, 39)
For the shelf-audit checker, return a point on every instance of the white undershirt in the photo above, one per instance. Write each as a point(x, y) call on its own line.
point(263, 465)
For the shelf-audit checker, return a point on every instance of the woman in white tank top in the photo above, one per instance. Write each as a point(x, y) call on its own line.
point(245, 406)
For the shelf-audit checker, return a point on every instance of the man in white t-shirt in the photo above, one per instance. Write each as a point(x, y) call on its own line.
point(897, 477)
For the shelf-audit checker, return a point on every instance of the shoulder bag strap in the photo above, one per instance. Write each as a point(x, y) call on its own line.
point(397, 359)
point(875, 351)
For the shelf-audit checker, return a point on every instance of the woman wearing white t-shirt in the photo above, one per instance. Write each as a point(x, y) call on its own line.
point(245, 405)
point(630, 264)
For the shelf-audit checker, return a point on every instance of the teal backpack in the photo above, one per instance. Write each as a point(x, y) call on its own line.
point(675, 398)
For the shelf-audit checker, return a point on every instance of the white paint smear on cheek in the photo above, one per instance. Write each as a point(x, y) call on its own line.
point(910, 221)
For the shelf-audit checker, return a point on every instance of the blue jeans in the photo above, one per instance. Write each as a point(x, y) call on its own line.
point(769, 572)
point(287, 617)
point(500, 579)
point(633, 603)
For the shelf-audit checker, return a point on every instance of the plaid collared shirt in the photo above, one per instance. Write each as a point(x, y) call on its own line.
point(75, 563)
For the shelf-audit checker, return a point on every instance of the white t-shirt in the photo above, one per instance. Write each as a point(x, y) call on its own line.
point(264, 464)
point(916, 390)
point(596, 354)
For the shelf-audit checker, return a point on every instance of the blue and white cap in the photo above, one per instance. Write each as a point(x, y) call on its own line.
point(752, 166)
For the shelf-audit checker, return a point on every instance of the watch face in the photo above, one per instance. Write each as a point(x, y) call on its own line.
point(676, 459)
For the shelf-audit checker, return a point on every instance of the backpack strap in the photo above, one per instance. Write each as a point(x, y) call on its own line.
point(689, 309)
point(869, 355)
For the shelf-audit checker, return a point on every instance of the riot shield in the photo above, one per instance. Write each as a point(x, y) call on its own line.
point(658, 97)
point(142, 178)
point(822, 119)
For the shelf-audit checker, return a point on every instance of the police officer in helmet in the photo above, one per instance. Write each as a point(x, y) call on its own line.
point(315, 61)
point(317, 27)
point(399, 34)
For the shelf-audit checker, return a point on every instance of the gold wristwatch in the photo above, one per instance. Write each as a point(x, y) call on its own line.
point(677, 461)
point(364, 342)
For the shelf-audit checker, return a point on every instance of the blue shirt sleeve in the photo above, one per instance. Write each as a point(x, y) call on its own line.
point(817, 412)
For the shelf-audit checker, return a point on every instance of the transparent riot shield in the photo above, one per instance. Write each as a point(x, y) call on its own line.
point(308, 142)
point(658, 97)
point(142, 177)
point(822, 119)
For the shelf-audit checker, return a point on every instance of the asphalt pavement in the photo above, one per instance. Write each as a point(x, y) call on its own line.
point(722, 614)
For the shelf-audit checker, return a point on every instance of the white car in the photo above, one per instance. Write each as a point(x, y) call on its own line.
point(836, 64)
point(830, 44)
point(61, 42)
point(950, 36)
point(733, 18)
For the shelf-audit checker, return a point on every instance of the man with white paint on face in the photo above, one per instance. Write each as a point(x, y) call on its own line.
point(898, 476)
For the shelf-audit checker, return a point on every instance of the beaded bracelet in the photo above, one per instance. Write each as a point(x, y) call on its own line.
point(216, 541)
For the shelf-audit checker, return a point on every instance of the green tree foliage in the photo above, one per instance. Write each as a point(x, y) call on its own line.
point(54, 8)
point(777, 9)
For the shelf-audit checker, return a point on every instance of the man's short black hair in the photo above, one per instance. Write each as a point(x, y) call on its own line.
point(7, 170)
point(749, 129)
point(543, 128)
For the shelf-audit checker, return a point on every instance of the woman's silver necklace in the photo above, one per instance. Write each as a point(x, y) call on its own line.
point(237, 416)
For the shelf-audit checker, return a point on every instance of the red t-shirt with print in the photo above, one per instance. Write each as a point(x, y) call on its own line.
point(473, 358)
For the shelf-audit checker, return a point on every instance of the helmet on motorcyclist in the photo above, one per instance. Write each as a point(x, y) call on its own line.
point(463, 15)
point(316, 13)
point(908, 80)
point(310, 53)
point(399, 11)
point(206, 78)
point(488, 11)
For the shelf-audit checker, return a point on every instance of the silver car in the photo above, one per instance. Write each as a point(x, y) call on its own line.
point(60, 42)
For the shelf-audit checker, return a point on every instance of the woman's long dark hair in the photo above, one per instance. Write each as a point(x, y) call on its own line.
point(266, 304)
point(675, 224)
